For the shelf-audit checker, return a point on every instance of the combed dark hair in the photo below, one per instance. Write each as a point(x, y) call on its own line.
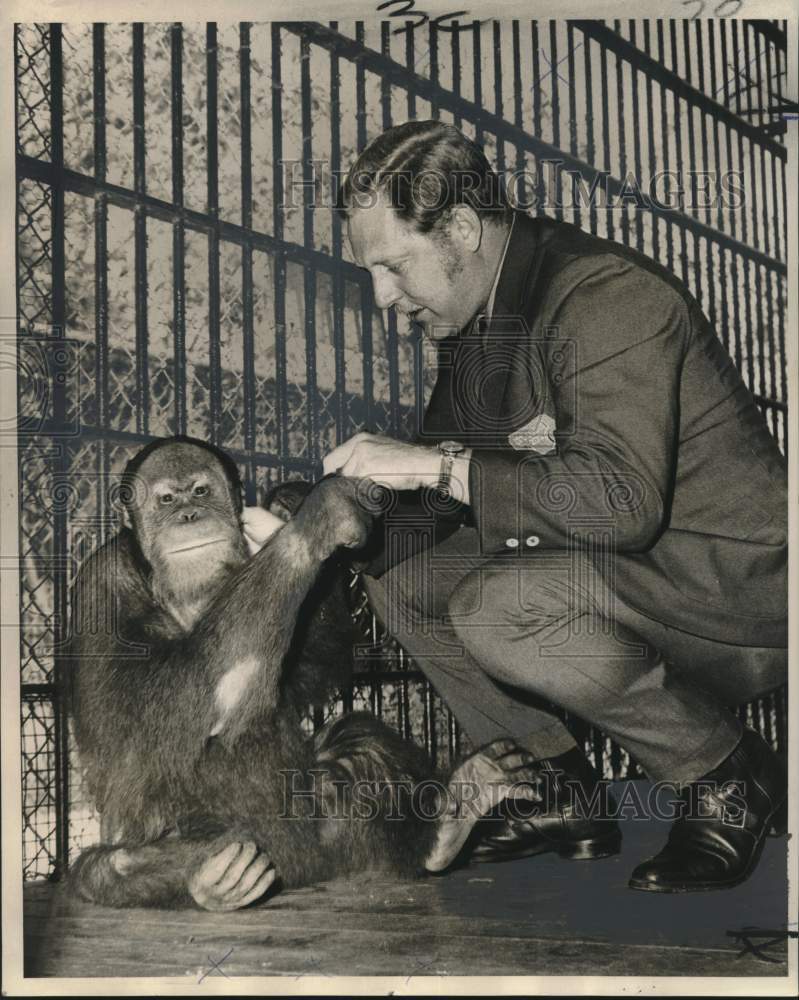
point(425, 168)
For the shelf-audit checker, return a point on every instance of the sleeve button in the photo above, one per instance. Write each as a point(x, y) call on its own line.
point(512, 543)
point(531, 541)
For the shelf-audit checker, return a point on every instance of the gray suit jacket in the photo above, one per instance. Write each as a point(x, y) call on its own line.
point(604, 411)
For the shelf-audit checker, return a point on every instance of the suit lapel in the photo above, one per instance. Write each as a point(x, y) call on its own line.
point(484, 389)
point(511, 362)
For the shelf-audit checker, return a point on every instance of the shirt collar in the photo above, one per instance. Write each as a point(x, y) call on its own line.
point(489, 309)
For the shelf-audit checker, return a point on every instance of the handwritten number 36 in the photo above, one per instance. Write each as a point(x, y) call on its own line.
point(718, 10)
point(407, 8)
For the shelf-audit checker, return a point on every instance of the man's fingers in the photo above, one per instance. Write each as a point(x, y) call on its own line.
point(260, 524)
point(499, 748)
point(253, 547)
point(338, 457)
point(516, 760)
point(236, 869)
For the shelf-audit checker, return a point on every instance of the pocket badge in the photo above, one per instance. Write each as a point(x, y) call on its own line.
point(538, 436)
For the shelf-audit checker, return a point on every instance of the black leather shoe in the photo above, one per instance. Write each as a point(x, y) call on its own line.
point(572, 818)
point(717, 842)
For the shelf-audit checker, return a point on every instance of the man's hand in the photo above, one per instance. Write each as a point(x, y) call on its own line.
point(258, 526)
point(231, 879)
point(395, 464)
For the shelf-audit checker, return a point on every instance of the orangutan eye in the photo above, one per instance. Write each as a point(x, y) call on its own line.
point(166, 498)
point(200, 491)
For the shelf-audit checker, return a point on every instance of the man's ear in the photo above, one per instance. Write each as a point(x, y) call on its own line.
point(466, 227)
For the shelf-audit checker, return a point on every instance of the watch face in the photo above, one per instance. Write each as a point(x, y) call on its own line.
point(451, 447)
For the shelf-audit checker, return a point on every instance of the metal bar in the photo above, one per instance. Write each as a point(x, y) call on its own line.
point(771, 325)
point(60, 543)
point(385, 86)
point(140, 235)
point(540, 192)
point(338, 273)
point(763, 102)
point(736, 65)
point(498, 103)
point(760, 282)
point(770, 31)
point(711, 292)
point(196, 221)
point(410, 63)
point(589, 124)
point(625, 219)
point(664, 127)
point(134, 439)
point(750, 280)
point(774, 214)
point(367, 312)
point(518, 120)
point(100, 226)
point(350, 49)
point(670, 80)
point(281, 388)
point(391, 333)
point(433, 56)
point(178, 233)
point(715, 123)
point(572, 116)
point(247, 291)
point(476, 115)
point(603, 78)
point(246, 126)
point(429, 714)
point(678, 150)
point(360, 87)
point(572, 90)
point(309, 275)
point(722, 24)
point(214, 292)
point(782, 70)
point(456, 89)
point(553, 62)
point(781, 341)
point(639, 220)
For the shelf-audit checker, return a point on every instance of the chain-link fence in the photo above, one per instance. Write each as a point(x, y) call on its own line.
point(180, 268)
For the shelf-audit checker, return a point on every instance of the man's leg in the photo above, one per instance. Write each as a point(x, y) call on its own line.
point(555, 628)
point(411, 601)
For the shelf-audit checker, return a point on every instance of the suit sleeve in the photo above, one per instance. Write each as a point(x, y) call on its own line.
point(612, 385)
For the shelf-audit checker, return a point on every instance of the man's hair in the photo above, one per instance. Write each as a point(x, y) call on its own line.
point(424, 168)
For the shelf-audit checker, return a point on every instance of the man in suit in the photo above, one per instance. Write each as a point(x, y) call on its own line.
point(610, 532)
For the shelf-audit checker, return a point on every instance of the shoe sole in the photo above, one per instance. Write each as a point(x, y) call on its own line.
point(582, 850)
point(773, 822)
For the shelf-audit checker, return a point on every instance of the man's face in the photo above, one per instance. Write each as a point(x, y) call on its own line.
point(423, 276)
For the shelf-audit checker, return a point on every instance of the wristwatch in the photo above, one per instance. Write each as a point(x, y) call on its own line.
point(449, 451)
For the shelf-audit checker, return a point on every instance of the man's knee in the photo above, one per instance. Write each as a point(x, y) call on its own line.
point(407, 596)
point(509, 595)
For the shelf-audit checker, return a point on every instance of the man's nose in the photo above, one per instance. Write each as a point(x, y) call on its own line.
point(386, 291)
